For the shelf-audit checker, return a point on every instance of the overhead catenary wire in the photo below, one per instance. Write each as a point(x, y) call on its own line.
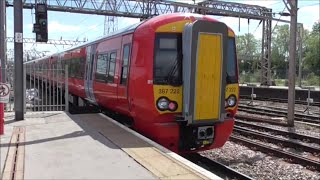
point(277, 21)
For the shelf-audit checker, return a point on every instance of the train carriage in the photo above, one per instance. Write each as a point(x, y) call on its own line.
point(174, 75)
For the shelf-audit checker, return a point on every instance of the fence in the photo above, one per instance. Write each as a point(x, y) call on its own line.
point(45, 89)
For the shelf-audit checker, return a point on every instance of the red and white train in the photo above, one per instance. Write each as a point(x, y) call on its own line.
point(174, 75)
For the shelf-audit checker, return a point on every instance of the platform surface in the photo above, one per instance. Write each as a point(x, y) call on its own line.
point(57, 147)
point(89, 146)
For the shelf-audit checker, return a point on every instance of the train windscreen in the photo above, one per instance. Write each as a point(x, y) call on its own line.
point(232, 63)
point(168, 59)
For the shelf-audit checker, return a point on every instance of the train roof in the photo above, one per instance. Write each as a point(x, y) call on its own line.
point(124, 30)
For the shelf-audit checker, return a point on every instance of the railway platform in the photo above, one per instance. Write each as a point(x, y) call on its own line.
point(58, 145)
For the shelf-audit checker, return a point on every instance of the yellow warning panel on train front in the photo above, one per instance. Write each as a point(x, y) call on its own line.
point(208, 76)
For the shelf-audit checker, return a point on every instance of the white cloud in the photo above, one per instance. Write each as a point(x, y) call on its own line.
point(55, 26)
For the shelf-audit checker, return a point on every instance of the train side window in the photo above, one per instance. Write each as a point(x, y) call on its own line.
point(82, 66)
point(77, 68)
point(101, 71)
point(112, 67)
point(125, 64)
point(91, 69)
point(70, 67)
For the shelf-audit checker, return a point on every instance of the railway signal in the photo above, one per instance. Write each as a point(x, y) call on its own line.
point(41, 25)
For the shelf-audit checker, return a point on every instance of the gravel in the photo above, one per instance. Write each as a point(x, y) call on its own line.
point(280, 136)
point(278, 146)
point(258, 165)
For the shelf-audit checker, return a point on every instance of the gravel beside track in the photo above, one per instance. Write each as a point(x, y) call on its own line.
point(299, 127)
point(215, 167)
point(279, 140)
point(283, 133)
point(258, 165)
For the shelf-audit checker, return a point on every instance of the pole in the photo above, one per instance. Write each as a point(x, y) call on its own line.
point(18, 61)
point(292, 58)
point(3, 40)
point(2, 57)
point(301, 32)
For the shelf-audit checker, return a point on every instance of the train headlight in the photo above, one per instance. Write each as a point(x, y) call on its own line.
point(163, 104)
point(231, 101)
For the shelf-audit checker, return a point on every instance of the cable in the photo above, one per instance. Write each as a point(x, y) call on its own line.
point(277, 21)
point(89, 30)
point(257, 27)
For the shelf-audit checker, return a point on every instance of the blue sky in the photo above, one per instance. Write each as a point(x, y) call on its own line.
point(80, 26)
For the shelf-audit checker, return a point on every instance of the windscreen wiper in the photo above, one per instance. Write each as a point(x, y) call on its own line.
point(171, 78)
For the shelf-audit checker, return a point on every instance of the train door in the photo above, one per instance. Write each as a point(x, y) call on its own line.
point(89, 74)
point(124, 73)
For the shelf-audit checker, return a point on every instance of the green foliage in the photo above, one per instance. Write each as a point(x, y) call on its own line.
point(280, 82)
point(250, 77)
point(247, 45)
point(280, 50)
point(249, 52)
point(311, 80)
point(312, 54)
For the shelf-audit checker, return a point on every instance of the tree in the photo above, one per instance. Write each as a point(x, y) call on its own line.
point(312, 54)
point(280, 50)
point(248, 52)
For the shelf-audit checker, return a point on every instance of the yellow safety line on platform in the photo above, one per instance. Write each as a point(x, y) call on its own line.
point(142, 152)
point(14, 164)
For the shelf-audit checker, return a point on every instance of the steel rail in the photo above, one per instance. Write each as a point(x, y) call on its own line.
point(276, 140)
point(309, 163)
point(286, 133)
point(248, 97)
point(300, 115)
point(219, 169)
point(245, 103)
point(275, 114)
point(271, 121)
point(262, 120)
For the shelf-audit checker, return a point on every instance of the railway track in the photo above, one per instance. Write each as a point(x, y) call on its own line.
point(285, 133)
point(291, 157)
point(277, 113)
point(246, 102)
point(262, 120)
point(217, 168)
point(248, 97)
point(276, 140)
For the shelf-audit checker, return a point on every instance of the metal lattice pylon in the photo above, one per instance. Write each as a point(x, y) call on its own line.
point(110, 22)
point(265, 64)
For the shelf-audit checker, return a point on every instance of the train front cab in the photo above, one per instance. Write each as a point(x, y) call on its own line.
point(205, 103)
